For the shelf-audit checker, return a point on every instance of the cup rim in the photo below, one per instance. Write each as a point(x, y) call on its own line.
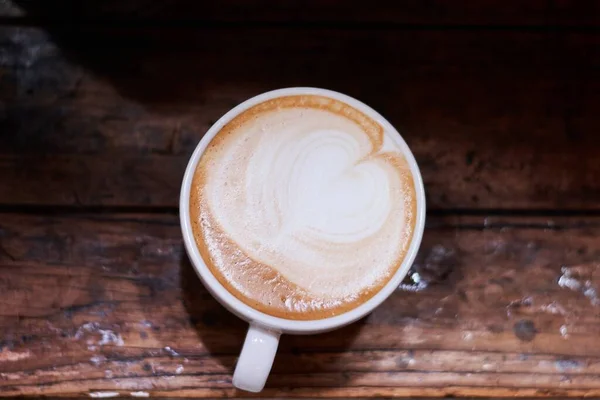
point(240, 308)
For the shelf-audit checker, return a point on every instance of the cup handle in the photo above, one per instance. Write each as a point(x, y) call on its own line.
point(256, 359)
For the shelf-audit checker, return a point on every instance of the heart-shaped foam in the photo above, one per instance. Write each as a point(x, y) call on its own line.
point(314, 195)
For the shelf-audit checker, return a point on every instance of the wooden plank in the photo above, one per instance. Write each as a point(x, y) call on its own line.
point(497, 120)
point(414, 12)
point(505, 306)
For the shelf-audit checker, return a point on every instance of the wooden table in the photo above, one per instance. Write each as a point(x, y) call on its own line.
point(101, 103)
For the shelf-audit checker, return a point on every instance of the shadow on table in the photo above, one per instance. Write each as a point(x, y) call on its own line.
point(149, 55)
point(222, 334)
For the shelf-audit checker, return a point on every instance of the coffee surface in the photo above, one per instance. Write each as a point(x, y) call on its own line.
point(303, 207)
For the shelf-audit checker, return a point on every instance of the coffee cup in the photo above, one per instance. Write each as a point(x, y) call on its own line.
point(352, 134)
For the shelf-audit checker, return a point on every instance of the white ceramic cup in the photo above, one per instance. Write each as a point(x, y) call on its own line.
point(262, 339)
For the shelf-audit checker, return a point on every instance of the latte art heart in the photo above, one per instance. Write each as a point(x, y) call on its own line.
point(303, 207)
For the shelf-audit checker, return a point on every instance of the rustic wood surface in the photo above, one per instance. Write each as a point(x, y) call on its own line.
point(102, 102)
point(105, 302)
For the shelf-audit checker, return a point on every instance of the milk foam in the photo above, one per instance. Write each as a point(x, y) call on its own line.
point(325, 202)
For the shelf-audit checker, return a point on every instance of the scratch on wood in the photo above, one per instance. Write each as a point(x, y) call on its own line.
point(139, 394)
point(6, 253)
point(101, 395)
point(7, 356)
point(174, 138)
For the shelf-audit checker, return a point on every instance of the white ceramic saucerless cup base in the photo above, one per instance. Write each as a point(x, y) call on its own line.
point(261, 342)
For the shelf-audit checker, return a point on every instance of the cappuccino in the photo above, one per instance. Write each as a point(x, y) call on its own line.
point(303, 207)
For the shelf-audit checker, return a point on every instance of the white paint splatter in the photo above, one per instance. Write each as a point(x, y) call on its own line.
point(591, 293)
point(566, 280)
point(553, 308)
point(7, 355)
point(467, 336)
point(109, 337)
point(411, 288)
point(97, 360)
point(108, 374)
point(171, 352)
point(568, 365)
point(102, 395)
point(139, 394)
point(417, 285)
point(179, 369)
point(564, 331)
point(87, 327)
point(416, 278)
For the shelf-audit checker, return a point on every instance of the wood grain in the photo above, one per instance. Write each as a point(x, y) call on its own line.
point(415, 12)
point(506, 306)
point(496, 119)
